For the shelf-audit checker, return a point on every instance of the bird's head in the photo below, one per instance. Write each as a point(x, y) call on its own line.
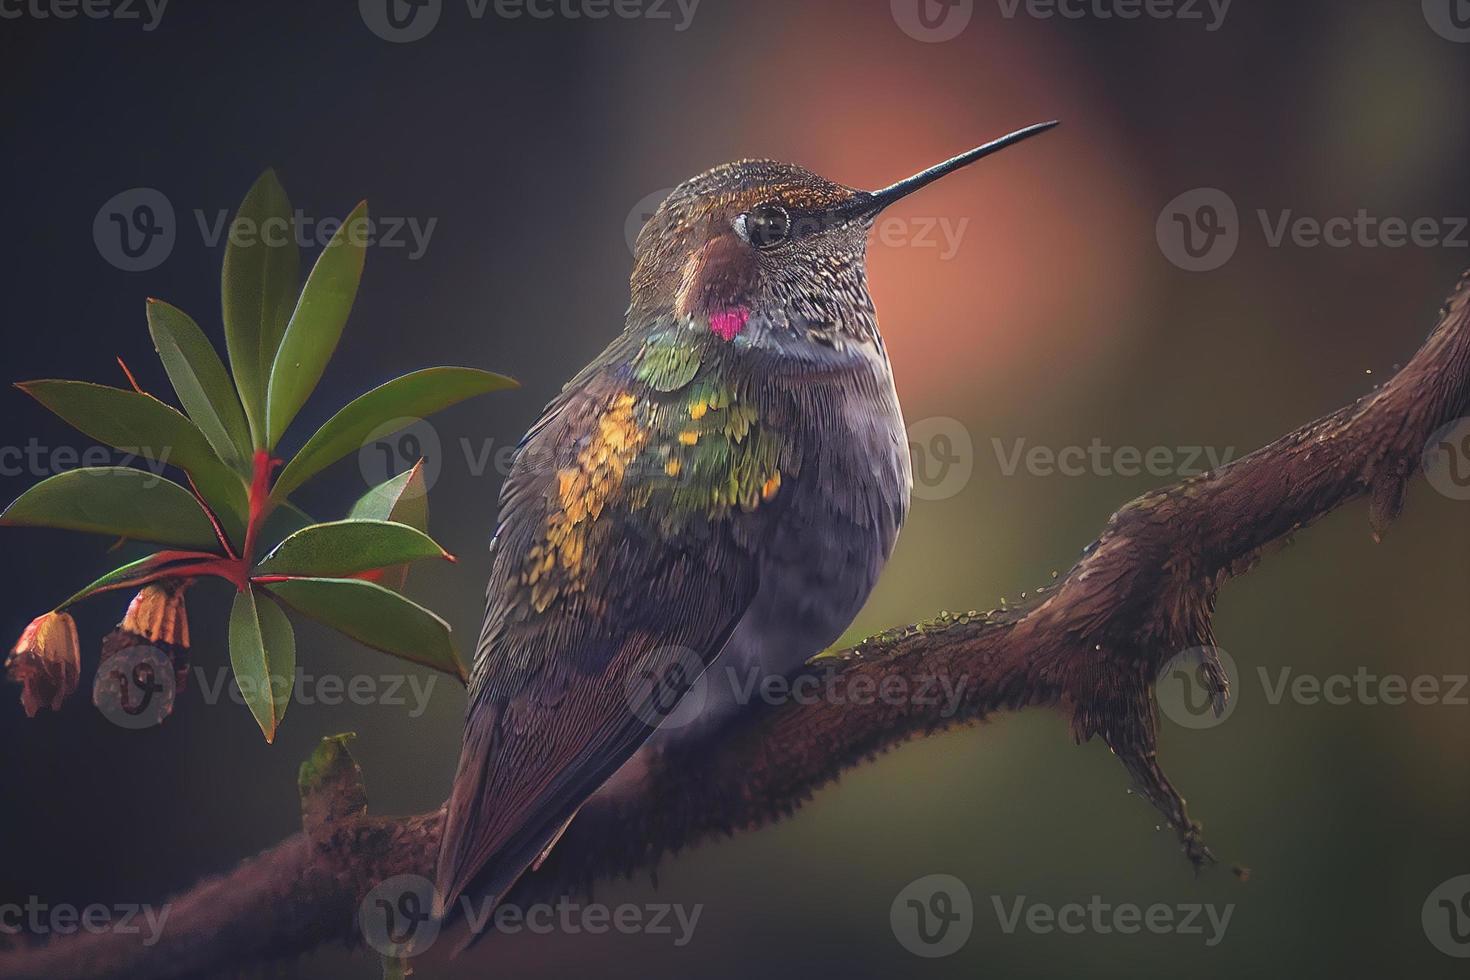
point(763, 247)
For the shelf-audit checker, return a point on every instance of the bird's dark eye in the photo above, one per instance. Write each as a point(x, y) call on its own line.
point(768, 225)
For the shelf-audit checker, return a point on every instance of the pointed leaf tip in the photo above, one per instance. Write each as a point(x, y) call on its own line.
point(263, 657)
point(415, 395)
point(117, 501)
point(340, 549)
point(376, 617)
point(315, 326)
point(258, 285)
point(201, 382)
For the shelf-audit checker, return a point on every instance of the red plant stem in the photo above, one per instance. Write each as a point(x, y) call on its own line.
point(219, 531)
point(131, 380)
point(260, 504)
point(198, 556)
point(225, 568)
point(231, 569)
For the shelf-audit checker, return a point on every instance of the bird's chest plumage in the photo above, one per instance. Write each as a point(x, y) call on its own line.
point(825, 538)
point(699, 479)
point(834, 535)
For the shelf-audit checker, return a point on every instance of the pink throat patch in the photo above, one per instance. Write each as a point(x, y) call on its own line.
point(729, 323)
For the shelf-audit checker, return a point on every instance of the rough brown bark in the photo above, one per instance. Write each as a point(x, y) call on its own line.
point(1090, 647)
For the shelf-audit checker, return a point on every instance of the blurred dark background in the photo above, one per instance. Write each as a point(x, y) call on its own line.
point(1052, 316)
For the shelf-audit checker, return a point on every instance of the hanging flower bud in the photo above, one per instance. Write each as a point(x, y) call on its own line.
point(156, 618)
point(46, 662)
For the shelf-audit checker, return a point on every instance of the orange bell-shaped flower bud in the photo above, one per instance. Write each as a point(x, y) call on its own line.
point(46, 662)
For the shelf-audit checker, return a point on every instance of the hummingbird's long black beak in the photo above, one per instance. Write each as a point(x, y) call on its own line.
point(868, 203)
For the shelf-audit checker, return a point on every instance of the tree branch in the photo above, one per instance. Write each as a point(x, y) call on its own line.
point(1090, 647)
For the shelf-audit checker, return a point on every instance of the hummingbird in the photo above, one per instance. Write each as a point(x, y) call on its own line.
point(724, 482)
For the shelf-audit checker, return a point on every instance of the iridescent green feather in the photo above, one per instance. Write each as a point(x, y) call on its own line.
point(712, 455)
point(667, 361)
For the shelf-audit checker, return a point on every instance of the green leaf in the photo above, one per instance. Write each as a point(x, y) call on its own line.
point(410, 397)
point(282, 522)
point(120, 577)
point(258, 288)
point(263, 656)
point(116, 501)
point(201, 381)
point(316, 325)
point(405, 499)
point(138, 423)
point(342, 548)
point(376, 617)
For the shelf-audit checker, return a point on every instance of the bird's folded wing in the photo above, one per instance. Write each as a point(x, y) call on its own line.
point(624, 558)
